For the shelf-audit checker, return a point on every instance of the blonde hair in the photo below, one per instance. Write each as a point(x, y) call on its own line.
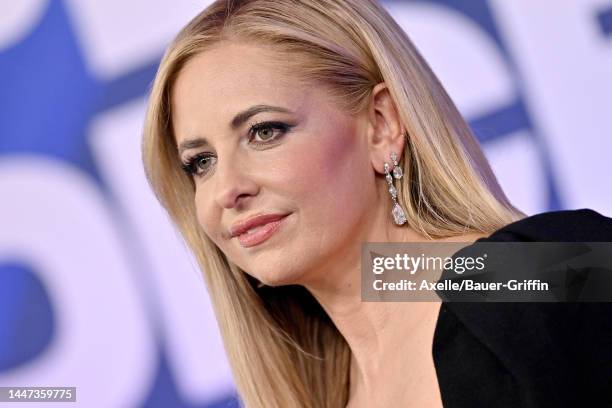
point(283, 348)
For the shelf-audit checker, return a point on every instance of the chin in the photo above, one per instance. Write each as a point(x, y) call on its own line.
point(277, 276)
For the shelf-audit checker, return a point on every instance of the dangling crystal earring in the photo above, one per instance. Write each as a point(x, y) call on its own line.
point(398, 212)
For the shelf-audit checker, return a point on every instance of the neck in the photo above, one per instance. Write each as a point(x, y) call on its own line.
point(380, 334)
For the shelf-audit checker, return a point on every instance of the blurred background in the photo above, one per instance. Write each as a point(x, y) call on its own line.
point(97, 290)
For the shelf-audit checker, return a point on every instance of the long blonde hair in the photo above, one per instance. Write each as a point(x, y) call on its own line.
point(283, 348)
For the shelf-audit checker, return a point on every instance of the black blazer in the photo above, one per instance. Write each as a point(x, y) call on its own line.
point(529, 354)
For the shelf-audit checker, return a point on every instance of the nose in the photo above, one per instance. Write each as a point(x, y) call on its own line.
point(234, 183)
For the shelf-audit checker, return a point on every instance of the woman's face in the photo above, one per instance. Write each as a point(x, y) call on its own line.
point(273, 147)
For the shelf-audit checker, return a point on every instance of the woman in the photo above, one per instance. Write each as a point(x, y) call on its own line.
point(282, 134)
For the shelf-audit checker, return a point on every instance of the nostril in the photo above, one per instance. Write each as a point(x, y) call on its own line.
point(235, 185)
point(241, 201)
point(233, 198)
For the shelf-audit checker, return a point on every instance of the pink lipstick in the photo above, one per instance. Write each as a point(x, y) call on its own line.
point(258, 229)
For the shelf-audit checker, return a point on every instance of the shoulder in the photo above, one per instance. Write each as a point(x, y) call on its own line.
point(545, 351)
point(532, 354)
point(584, 225)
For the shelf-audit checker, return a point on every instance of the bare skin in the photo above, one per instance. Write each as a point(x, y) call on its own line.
point(392, 362)
point(391, 343)
point(327, 170)
point(406, 375)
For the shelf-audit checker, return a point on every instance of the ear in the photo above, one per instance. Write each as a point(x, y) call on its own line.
point(386, 133)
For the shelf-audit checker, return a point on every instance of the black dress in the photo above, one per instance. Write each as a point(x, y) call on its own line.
point(529, 354)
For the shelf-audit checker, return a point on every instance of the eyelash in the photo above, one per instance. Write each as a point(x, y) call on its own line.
point(190, 165)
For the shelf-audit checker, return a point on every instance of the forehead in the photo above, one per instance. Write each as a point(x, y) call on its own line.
point(228, 78)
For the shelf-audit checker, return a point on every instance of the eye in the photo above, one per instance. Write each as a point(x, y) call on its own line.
point(267, 131)
point(199, 164)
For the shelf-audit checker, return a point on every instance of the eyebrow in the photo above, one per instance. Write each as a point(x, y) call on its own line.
point(236, 122)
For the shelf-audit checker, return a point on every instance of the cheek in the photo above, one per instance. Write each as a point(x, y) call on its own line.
point(205, 212)
point(331, 175)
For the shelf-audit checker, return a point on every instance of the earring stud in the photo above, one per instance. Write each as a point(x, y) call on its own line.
point(397, 170)
point(399, 216)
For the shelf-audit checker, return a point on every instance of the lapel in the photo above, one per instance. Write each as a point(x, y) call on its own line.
point(504, 354)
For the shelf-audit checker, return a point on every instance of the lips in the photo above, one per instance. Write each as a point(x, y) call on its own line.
point(242, 227)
